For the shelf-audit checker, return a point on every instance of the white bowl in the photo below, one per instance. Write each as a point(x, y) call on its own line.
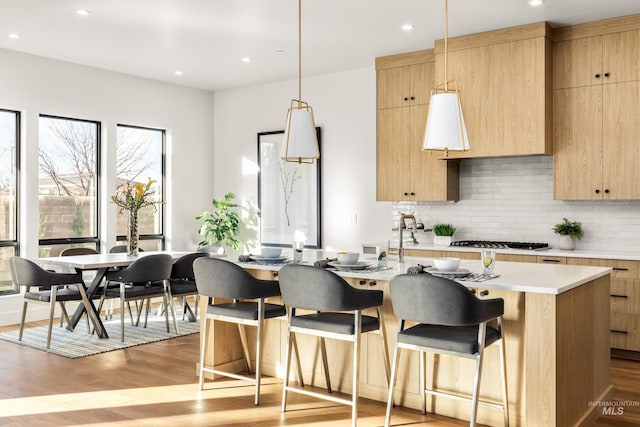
point(271, 252)
point(348, 258)
point(446, 264)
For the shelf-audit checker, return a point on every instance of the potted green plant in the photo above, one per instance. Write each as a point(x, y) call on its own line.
point(443, 234)
point(569, 232)
point(220, 226)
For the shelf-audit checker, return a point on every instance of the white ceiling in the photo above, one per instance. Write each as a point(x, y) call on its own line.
point(206, 39)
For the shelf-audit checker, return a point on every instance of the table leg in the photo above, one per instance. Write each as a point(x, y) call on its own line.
point(87, 299)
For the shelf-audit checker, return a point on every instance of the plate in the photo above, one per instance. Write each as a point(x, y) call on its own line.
point(461, 272)
point(263, 260)
point(356, 266)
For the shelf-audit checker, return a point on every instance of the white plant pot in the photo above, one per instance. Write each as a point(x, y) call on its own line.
point(442, 240)
point(567, 243)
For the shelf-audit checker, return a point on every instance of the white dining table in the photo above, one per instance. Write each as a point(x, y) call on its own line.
point(100, 263)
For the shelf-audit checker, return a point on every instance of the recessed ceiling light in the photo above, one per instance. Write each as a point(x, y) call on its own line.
point(13, 36)
point(83, 12)
point(246, 59)
point(177, 72)
point(408, 27)
point(535, 2)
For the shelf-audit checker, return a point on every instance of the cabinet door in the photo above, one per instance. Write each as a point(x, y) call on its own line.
point(577, 157)
point(621, 57)
point(503, 96)
point(394, 139)
point(405, 86)
point(620, 148)
point(577, 63)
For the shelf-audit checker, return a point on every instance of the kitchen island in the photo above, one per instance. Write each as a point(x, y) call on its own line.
point(556, 325)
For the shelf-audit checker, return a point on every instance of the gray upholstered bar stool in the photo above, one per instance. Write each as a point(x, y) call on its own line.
point(336, 313)
point(450, 320)
point(218, 278)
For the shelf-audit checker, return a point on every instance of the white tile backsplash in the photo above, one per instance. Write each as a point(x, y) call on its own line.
point(511, 199)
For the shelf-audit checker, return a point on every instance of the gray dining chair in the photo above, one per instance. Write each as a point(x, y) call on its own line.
point(337, 313)
point(118, 249)
point(51, 287)
point(450, 320)
point(183, 283)
point(146, 278)
point(218, 278)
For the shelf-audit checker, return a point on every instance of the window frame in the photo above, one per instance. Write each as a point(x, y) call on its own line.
point(15, 243)
point(96, 238)
point(161, 209)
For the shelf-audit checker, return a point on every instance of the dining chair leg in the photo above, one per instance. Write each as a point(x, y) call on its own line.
point(166, 312)
point(24, 317)
point(64, 316)
point(172, 306)
point(122, 294)
point(52, 309)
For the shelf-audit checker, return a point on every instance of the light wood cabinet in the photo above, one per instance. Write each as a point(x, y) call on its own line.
point(505, 89)
point(404, 170)
point(624, 300)
point(596, 99)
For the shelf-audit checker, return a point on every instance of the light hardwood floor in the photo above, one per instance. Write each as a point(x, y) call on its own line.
point(156, 385)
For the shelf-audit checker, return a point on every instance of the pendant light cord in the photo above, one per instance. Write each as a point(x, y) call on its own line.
point(299, 53)
point(446, 36)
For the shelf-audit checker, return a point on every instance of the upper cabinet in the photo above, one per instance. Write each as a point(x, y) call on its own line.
point(504, 78)
point(404, 170)
point(596, 104)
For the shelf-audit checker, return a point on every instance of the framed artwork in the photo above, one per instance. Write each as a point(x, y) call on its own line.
point(288, 195)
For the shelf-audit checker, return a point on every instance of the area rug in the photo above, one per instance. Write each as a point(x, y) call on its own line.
point(80, 344)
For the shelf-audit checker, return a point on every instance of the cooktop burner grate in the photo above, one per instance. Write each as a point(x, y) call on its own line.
point(500, 245)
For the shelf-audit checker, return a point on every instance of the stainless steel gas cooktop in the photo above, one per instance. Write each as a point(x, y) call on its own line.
point(501, 245)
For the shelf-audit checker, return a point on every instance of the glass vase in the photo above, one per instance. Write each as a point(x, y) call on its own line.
point(132, 233)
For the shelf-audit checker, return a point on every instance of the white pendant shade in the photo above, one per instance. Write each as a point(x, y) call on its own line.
point(445, 125)
point(300, 139)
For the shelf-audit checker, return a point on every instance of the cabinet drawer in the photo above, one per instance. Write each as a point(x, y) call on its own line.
point(515, 258)
point(625, 296)
point(552, 259)
point(622, 269)
point(624, 331)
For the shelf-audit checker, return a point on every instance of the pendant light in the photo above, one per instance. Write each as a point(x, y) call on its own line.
point(300, 138)
point(445, 123)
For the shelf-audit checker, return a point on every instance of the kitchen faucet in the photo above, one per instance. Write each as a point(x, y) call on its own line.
point(401, 226)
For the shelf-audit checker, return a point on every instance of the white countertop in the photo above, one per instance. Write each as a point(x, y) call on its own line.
point(514, 276)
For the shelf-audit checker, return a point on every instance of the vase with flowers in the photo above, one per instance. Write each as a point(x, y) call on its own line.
point(131, 197)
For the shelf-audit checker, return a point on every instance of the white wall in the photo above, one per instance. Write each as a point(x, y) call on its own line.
point(36, 85)
point(345, 108)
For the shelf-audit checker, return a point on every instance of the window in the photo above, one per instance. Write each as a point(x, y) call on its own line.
point(68, 184)
point(140, 157)
point(9, 161)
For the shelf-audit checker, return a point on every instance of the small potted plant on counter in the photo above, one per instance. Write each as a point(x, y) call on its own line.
point(443, 234)
point(568, 231)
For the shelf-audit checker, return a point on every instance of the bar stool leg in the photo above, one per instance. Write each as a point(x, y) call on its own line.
point(503, 366)
point(356, 366)
point(325, 363)
point(482, 329)
point(259, 348)
point(423, 375)
point(287, 364)
point(203, 350)
point(392, 381)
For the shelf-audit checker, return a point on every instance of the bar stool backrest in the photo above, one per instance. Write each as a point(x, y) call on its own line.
point(312, 288)
point(439, 301)
point(223, 279)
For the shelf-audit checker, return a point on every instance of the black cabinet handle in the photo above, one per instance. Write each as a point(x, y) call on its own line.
point(372, 283)
point(620, 269)
point(606, 190)
point(597, 191)
point(619, 296)
point(274, 274)
point(550, 260)
point(484, 293)
point(617, 331)
point(412, 98)
point(412, 193)
point(362, 282)
point(606, 74)
point(473, 291)
point(597, 76)
point(406, 99)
